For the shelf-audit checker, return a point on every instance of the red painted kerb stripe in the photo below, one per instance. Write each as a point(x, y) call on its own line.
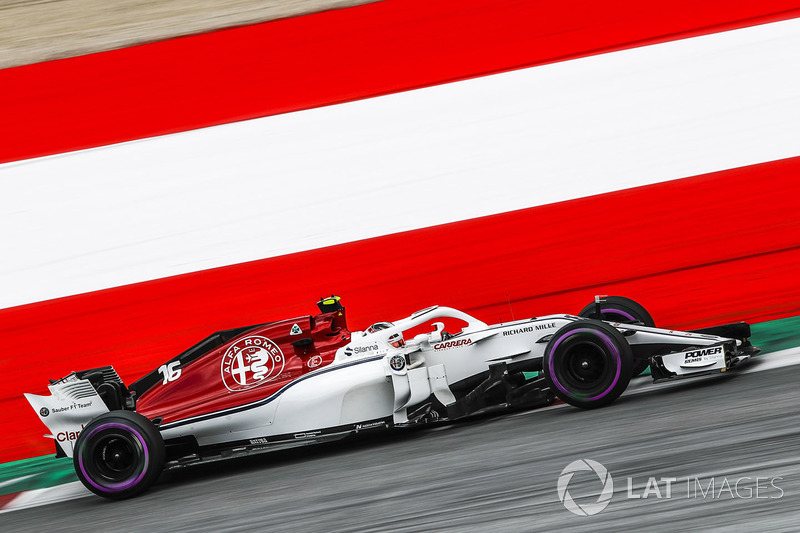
point(321, 59)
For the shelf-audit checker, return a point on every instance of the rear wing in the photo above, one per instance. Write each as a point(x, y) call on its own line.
point(74, 401)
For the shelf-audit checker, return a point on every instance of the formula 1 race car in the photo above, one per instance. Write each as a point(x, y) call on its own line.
point(309, 379)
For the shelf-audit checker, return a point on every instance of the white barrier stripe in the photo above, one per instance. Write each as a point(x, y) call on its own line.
point(261, 188)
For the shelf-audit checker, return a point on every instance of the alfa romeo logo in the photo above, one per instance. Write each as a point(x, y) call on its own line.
point(586, 509)
point(251, 362)
point(397, 362)
point(44, 411)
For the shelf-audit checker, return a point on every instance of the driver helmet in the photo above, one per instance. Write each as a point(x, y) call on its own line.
point(396, 340)
point(377, 326)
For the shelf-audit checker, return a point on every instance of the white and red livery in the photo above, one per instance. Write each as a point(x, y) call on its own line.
point(309, 379)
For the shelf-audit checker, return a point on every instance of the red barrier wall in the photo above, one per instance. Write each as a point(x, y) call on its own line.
point(325, 58)
point(697, 251)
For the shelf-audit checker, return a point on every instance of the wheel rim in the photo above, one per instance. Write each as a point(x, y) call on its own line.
point(584, 363)
point(115, 457)
point(580, 355)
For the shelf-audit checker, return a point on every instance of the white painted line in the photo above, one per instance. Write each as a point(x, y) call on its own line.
point(37, 497)
point(10, 481)
point(779, 359)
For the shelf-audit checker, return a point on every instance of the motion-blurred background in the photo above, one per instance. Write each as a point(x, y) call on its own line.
point(507, 158)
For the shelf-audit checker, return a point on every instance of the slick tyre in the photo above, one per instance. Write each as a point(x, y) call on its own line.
point(119, 455)
point(626, 311)
point(588, 364)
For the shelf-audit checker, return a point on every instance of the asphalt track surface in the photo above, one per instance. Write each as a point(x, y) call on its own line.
point(500, 473)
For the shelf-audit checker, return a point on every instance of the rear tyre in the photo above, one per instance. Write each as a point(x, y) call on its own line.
point(625, 311)
point(588, 364)
point(119, 455)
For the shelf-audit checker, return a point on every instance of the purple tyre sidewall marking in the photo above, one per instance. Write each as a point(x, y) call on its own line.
point(611, 348)
point(117, 487)
point(619, 312)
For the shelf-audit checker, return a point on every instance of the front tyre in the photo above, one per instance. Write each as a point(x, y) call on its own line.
point(119, 454)
point(588, 364)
